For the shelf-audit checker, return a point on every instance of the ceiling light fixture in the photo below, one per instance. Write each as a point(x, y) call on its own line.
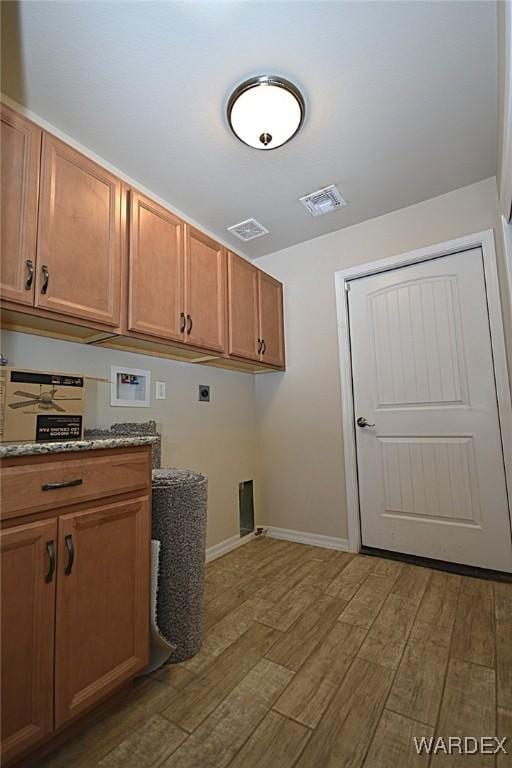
point(266, 111)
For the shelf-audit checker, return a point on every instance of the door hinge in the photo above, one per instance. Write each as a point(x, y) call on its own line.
point(347, 287)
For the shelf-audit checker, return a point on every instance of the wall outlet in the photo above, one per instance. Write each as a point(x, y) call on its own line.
point(160, 390)
point(204, 393)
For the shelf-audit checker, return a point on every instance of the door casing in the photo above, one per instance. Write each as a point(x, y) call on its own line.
point(483, 240)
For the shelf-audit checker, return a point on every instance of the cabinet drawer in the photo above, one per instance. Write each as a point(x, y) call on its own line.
point(44, 485)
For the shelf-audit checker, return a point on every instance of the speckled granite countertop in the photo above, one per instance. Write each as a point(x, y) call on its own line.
point(9, 450)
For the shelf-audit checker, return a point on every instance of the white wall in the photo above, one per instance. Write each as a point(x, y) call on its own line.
point(218, 438)
point(507, 244)
point(504, 170)
point(299, 412)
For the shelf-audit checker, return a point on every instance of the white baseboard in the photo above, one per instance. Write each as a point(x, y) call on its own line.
point(314, 539)
point(217, 550)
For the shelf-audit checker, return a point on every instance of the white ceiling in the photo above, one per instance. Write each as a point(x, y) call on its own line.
point(401, 100)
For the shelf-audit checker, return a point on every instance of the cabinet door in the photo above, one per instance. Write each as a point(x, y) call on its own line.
point(243, 325)
point(205, 291)
point(28, 613)
point(156, 300)
point(102, 623)
point(79, 247)
point(271, 320)
point(19, 189)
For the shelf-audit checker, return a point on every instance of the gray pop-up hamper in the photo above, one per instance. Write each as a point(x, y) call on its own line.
point(179, 522)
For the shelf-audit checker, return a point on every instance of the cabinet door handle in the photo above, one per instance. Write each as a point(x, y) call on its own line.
point(259, 346)
point(30, 275)
point(263, 346)
point(190, 324)
point(50, 548)
point(65, 484)
point(46, 278)
point(183, 322)
point(71, 554)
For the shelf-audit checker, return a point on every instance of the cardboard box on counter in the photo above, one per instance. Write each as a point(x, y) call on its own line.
point(40, 406)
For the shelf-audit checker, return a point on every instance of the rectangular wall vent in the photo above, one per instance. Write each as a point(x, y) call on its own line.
point(323, 201)
point(248, 230)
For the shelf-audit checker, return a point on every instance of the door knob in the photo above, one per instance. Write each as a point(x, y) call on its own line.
point(361, 422)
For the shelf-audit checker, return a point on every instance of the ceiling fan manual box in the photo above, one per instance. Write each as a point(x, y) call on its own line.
point(40, 406)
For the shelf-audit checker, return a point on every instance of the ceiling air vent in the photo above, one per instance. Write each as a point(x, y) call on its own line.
point(323, 201)
point(248, 230)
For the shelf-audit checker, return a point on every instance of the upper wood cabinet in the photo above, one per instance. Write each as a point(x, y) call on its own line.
point(255, 313)
point(243, 309)
point(271, 320)
point(205, 291)
point(27, 652)
point(84, 257)
point(79, 237)
point(102, 626)
point(19, 185)
point(156, 302)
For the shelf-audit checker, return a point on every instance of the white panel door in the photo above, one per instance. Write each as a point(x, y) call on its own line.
point(431, 474)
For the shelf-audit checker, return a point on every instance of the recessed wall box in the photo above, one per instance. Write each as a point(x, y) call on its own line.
point(129, 387)
point(204, 393)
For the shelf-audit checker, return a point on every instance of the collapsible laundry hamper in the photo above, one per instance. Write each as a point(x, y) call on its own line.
point(179, 523)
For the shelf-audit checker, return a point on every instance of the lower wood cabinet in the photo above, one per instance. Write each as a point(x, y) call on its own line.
point(102, 624)
point(75, 604)
point(28, 555)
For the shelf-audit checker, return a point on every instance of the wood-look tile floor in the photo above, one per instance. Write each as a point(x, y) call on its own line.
point(320, 659)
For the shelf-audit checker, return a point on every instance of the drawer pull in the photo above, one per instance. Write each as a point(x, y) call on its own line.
point(71, 554)
point(50, 547)
point(65, 484)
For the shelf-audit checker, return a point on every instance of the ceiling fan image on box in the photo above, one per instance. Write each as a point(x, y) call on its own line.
point(44, 401)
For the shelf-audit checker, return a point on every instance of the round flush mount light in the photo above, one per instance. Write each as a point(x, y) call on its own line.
point(266, 111)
